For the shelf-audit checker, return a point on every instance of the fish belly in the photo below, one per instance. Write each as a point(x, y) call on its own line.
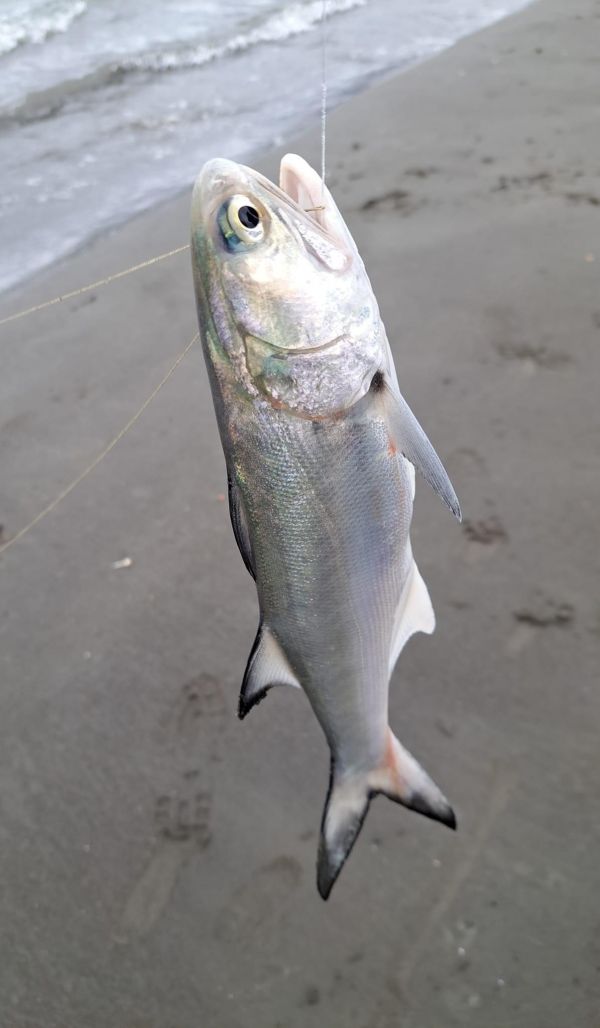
point(328, 506)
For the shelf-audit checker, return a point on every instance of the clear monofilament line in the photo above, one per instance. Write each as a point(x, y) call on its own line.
point(323, 95)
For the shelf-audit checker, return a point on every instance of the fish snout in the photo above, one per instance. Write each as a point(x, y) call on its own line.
point(218, 179)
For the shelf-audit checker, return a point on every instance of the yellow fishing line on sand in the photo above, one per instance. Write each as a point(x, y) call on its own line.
point(93, 285)
point(100, 457)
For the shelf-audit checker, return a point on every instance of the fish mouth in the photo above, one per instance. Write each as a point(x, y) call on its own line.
point(305, 187)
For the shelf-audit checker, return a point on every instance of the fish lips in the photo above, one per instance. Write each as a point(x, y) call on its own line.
point(314, 382)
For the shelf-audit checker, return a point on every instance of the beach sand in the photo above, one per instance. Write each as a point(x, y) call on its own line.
point(157, 857)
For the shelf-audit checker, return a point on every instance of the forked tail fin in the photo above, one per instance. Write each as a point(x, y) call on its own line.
point(400, 778)
point(346, 808)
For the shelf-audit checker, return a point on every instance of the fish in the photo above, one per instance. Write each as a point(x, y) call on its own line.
point(320, 450)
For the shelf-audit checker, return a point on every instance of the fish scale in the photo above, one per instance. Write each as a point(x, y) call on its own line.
point(311, 547)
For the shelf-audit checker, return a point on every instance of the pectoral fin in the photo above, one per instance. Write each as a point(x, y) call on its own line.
point(267, 666)
point(412, 442)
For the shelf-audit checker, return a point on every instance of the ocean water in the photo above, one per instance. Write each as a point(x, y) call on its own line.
point(107, 106)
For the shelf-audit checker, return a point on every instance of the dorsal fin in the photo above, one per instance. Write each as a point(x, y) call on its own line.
point(239, 524)
point(267, 666)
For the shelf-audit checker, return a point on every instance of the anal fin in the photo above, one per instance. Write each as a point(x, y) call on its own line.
point(239, 525)
point(267, 666)
point(414, 614)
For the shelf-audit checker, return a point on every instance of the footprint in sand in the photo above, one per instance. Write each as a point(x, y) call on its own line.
point(197, 719)
point(192, 732)
point(508, 339)
point(183, 815)
point(182, 825)
point(483, 536)
point(263, 899)
point(394, 200)
point(542, 612)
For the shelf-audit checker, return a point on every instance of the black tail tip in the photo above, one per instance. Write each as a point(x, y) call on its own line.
point(324, 888)
point(445, 815)
point(336, 847)
point(326, 875)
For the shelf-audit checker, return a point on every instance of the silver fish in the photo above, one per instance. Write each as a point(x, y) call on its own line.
point(320, 448)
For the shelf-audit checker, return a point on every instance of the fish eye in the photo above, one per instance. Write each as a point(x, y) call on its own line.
point(248, 216)
point(241, 223)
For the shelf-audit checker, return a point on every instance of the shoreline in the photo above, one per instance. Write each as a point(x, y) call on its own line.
point(254, 156)
point(177, 844)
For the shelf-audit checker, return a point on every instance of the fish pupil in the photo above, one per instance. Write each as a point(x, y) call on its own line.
point(248, 216)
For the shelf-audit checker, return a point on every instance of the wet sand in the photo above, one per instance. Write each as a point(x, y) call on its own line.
point(156, 855)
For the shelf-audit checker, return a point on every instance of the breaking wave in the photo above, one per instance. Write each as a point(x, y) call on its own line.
point(38, 22)
point(278, 26)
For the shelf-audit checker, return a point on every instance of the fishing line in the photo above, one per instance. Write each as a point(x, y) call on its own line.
point(129, 271)
point(94, 285)
point(323, 94)
point(100, 457)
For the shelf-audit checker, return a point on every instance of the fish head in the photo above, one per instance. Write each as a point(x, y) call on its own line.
point(283, 296)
